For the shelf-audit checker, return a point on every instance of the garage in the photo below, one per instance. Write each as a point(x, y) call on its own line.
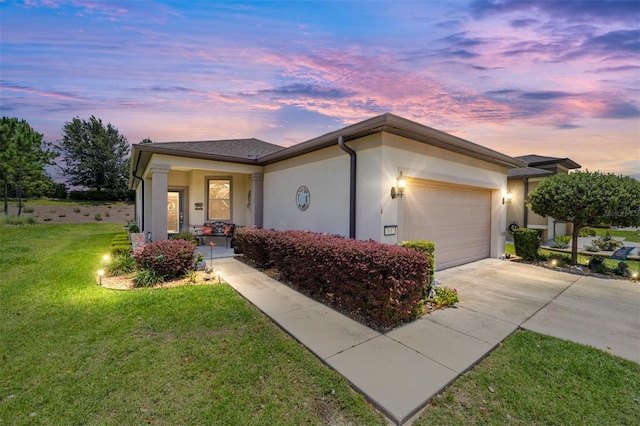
point(456, 218)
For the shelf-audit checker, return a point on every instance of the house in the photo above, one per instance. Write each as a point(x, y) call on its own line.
point(523, 180)
point(387, 179)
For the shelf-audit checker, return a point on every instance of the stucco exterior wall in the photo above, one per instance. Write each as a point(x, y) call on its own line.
point(380, 158)
point(515, 209)
point(326, 174)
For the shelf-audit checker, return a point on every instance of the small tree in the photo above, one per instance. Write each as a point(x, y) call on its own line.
point(584, 198)
point(95, 155)
point(23, 157)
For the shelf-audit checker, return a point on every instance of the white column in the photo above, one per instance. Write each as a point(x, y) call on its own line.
point(159, 187)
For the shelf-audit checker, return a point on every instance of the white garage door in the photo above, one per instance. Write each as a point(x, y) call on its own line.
point(456, 218)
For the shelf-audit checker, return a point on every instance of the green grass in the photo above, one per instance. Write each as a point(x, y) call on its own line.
point(534, 379)
point(633, 236)
point(72, 352)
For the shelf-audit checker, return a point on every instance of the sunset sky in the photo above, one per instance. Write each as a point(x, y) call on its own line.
point(556, 78)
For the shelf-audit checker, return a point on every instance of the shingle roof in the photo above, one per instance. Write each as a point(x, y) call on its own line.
point(238, 148)
point(539, 160)
point(522, 172)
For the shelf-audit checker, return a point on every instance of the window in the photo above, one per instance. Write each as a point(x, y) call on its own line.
point(219, 199)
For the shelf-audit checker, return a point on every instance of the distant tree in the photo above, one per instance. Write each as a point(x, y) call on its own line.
point(95, 155)
point(585, 198)
point(146, 140)
point(23, 157)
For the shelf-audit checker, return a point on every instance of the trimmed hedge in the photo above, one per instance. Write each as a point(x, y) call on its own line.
point(120, 245)
point(253, 243)
point(169, 258)
point(526, 242)
point(429, 249)
point(382, 284)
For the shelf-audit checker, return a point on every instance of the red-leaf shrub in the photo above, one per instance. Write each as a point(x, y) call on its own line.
point(381, 284)
point(253, 243)
point(169, 258)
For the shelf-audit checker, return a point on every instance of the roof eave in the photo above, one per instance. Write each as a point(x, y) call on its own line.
point(399, 126)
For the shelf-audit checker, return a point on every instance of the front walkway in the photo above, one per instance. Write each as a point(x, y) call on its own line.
point(401, 370)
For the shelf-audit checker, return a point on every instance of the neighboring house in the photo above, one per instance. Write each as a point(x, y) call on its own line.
point(338, 183)
point(523, 180)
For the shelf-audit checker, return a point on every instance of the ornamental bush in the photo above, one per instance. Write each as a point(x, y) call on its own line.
point(382, 284)
point(168, 258)
point(526, 242)
point(253, 243)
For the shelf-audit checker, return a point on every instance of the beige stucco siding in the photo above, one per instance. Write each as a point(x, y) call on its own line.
point(326, 174)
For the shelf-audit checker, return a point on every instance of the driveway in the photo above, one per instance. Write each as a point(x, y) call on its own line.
point(600, 312)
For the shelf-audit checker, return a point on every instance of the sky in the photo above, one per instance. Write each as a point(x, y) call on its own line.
point(555, 78)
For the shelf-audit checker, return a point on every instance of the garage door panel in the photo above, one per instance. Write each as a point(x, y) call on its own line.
point(457, 219)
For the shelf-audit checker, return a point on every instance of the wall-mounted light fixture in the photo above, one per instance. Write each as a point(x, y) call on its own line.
point(398, 190)
point(507, 198)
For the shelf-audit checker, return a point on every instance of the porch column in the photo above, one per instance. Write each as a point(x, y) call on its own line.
point(159, 187)
point(257, 195)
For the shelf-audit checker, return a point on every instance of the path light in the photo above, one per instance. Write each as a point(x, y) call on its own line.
point(106, 258)
point(634, 275)
point(100, 274)
point(554, 262)
point(218, 275)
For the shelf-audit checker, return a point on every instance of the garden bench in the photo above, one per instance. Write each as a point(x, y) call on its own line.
point(215, 229)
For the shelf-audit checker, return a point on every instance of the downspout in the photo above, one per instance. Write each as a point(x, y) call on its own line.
point(352, 187)
point(525, 219)
point(136, 198)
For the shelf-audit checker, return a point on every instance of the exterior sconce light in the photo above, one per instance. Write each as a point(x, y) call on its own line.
point(507, 198)
point(398, 190)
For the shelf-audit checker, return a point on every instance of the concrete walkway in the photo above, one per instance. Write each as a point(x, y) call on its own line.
point(401, 370)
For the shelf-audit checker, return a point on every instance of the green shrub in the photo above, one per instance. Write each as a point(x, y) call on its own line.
point(607, 243)
point(598, 265)
point(97, 217)
point(185, 235)
point(561, 241)
point(147, 278)
point(28, 209)
point(17, 220)
point(445, 296)
point(120, 265)
point(526, 242)
point(120, 250)
point(429, 249)
point(133, 227)
point(587, 232)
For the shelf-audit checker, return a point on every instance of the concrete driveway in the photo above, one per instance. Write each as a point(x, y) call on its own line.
point(600, 312)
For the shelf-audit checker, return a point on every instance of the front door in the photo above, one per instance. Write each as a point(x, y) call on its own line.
point(174, 212)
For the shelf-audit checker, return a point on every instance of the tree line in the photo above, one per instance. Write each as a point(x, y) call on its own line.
point(90, 154)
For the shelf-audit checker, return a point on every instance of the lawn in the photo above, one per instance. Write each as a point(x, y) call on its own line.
point(534, 379)
point(75, 353)
point(72, 352)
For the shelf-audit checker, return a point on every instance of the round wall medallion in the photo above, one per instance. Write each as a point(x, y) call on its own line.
point(303, 198)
